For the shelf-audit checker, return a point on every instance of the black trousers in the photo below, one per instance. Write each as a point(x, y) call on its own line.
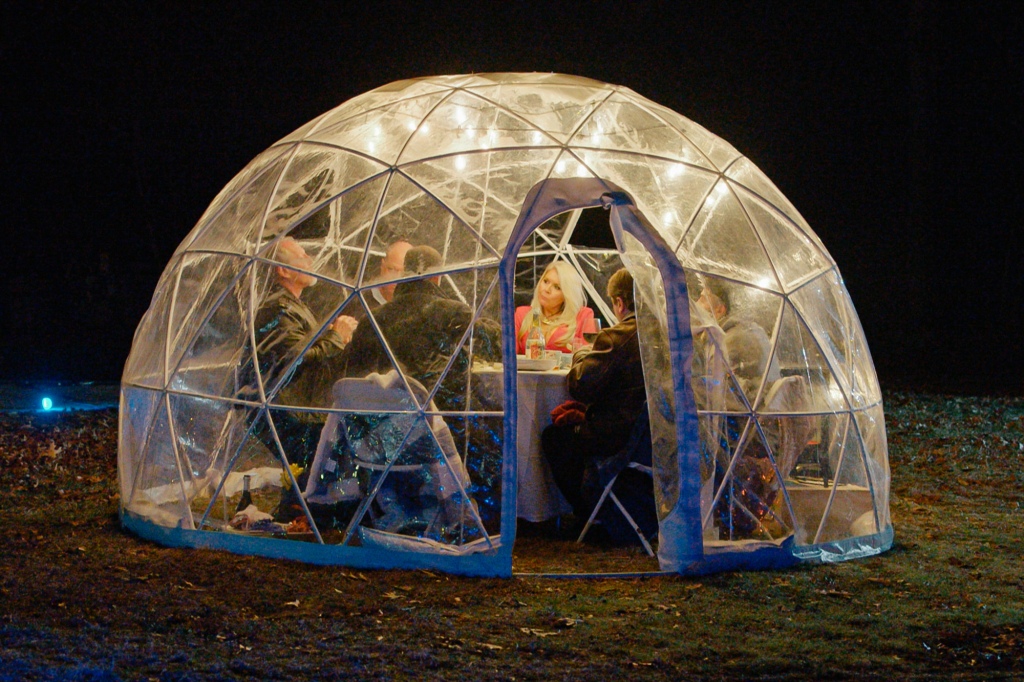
point(568, 456)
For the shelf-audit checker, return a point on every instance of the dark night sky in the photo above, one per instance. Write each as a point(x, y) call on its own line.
point(895, 128)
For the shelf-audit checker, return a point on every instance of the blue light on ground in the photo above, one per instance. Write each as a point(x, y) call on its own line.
point(47, 404)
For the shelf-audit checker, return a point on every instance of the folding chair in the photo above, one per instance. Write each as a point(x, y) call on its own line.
point(636, 455)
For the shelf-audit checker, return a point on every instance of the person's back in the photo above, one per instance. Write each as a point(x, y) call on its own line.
point(423, 329)
point(610, 380)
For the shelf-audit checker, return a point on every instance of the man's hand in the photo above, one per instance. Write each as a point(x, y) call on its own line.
point(344, 325)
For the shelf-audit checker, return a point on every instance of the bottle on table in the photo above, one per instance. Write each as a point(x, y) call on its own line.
point(535, 342)
point(246, 498)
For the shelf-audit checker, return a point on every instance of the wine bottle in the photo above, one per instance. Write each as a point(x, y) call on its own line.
point(246, 498)
point(535, 339)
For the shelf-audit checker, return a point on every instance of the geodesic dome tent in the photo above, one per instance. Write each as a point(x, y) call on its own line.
point(765, 411)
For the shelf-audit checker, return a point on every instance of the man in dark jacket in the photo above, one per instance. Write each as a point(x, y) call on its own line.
point(609, 379)
point(285, 328)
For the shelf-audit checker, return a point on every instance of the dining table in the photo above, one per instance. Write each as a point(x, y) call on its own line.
point(538, 392)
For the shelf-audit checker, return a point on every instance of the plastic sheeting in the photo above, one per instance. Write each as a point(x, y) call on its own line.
point(766, 416)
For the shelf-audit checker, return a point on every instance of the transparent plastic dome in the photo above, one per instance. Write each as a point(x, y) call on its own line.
point(766, 414)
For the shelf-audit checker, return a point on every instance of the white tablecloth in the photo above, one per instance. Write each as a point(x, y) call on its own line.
point(538, 498)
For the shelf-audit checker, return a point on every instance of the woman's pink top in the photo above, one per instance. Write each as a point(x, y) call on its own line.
point(557, 339)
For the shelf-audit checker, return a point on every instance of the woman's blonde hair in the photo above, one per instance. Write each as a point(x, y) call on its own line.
point(572, 290)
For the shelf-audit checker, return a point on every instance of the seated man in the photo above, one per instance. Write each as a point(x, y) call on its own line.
point(284, 327)
point(609, 379)
point(423, 326)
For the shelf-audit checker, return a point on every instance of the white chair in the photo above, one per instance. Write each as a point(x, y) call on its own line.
point(399, 412)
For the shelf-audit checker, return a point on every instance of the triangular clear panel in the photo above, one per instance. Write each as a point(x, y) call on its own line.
point(256, 466)
point(871, 431)
point(485, 189)
point(146, 362)
point(668, 193)
point(424, 329)
point(367, 359)
point(411, 214)
point(465, 123)
point(850, 509)
point(826, 306)
point(468, 354)
point(205, 430)
point(811, 476)
point(794, 255)
point(238, 227)
point(719, 452)
point(557, 112)
point(413, 481)
point(213, 354)
point(159, 493)
point(478, 440)
point(380, 134)
point(138, 410)
point(750, 502)
point(335, 237)
point(239, 183)
point(718, 153)
point(721, 241)
point(747, 174)
point(715, 387)
point(738, 355)
point(621, 124)
point(313, 176)
point(797, 355)
point(207, 323)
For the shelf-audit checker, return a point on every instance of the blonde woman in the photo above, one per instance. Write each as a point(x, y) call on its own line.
point(560, 301)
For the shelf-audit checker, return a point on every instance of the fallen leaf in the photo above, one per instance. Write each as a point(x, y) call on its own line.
point(292, 603)
point(538, 633)
point(492, 647)
point(355, 576)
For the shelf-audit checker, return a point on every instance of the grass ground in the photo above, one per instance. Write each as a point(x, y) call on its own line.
point(80, 599)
